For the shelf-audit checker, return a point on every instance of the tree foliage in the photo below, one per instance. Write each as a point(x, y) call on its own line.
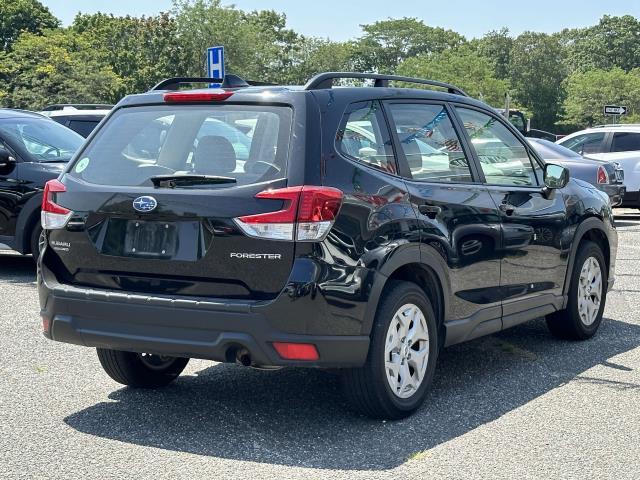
point(386, 44)
point(59, 66)
point(18, 16)
point(588, 92)
point(537, 71)
point(561, 79)
point(464, 68)
point(141, 51)
point(613, 42)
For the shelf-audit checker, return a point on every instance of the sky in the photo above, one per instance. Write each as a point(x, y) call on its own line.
point(340, 19)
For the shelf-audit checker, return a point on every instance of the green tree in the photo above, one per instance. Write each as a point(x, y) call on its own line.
point(141, 51)
point(538, 70)
point(588, 92)
point(496, 46)
point(17, 16)
point(59, 66)
point(258, 46)
point(613, 42)
point(314, 55)
point(386, 44)
point(462, 67)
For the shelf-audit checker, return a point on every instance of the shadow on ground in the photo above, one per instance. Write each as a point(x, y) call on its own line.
point(297, 417)
point(16, 268)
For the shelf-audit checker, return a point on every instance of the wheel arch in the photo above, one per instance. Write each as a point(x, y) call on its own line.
point(592, 229)
point(28, 218)
point(421, 265)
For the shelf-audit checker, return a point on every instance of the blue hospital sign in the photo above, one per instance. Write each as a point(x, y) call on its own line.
point(215, 62)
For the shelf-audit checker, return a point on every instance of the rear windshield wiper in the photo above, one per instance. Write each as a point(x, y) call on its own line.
point(174, 181)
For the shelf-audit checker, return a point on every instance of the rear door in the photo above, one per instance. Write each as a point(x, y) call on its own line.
point(177, 236)
point(457, 217)
point(533, 256)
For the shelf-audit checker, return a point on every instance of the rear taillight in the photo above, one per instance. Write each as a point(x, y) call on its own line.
point(53, 216)
point(180, 97)
point(603, 176)
point(307, 215)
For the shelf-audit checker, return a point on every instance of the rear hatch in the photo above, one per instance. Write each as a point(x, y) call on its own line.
point(156, 194)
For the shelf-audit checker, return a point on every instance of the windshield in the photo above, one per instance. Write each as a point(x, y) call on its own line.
point(552, 151)
point(42, 139)
point(247, 143)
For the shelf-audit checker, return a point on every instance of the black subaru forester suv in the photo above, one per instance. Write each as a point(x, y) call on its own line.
point(358, 228)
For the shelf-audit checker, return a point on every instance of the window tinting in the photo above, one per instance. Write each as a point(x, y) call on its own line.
point(245, 142)
point(430, 143)
point(503, 158)
point(83, 127)
point(625, 142)
point(364, 137)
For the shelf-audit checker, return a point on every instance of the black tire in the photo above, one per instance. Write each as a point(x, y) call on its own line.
point(34, 240)
point(367, 387)
point(567, 324)
point(133, 370)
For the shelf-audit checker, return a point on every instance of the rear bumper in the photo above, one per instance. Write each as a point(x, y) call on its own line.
point(616, 193)
point(196, 328)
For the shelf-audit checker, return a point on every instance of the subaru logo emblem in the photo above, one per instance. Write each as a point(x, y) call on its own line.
point(145, 204)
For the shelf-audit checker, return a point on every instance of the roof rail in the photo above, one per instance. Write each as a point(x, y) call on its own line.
point(79, 106)
point(617, 125)
point(325, 80)
point(229, 81)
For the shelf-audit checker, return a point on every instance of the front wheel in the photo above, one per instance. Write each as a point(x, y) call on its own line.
point(141, 370)
point(395, 378)
point(587, 296)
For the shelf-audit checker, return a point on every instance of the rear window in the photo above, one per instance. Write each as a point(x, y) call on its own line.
point(625, 142)
point(83, 127)
point(249, 143)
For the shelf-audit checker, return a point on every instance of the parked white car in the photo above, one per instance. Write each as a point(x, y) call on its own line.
point(613, 143)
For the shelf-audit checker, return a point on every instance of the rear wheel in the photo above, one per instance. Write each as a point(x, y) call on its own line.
point(399, 368)
point(141, 370)
point(587, 296)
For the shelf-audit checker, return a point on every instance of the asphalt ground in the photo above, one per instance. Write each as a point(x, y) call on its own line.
point(519, 404)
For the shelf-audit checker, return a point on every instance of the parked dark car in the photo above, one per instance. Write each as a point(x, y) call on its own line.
point(33, 150)
point(324, 247)
point(604, 175)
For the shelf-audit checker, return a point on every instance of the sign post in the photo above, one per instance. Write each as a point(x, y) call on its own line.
point(215, 64)
point(615, 111)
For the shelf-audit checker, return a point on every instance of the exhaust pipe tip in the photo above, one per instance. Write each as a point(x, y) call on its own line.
point(243, 357)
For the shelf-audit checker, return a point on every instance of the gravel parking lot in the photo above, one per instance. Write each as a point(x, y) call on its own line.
point(519, 404)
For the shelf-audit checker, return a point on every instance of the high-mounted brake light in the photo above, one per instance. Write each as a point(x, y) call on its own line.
point(182, 97)
point(603, 176)
point(52, 215)
point(296, 351)
point(307, 215)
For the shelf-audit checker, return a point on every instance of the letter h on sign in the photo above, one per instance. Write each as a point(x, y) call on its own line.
point(215, 62)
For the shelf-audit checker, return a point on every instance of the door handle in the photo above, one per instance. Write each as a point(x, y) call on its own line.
point(430, 211)
point(507, 208)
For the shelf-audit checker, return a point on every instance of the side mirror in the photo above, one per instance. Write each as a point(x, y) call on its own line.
point(555, 176)
point(7, 162)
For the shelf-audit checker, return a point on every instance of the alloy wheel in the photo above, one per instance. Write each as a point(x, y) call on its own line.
point(406, 351)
